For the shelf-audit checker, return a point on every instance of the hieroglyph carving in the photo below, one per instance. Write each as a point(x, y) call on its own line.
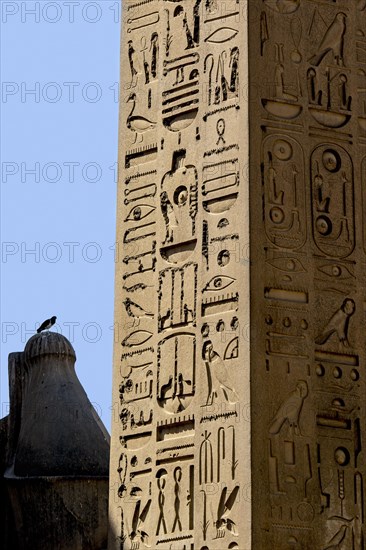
point(182, 291)
point(307, 139)
point(181, 362)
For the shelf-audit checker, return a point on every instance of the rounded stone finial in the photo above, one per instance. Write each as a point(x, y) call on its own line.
point(48, 343)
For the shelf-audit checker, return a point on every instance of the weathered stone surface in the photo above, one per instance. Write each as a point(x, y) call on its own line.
point(56, 454)
point(307, 196)
point(6, 525)
point(66, 513)
point(59, 432)
point(180, 469)
point(191, 402)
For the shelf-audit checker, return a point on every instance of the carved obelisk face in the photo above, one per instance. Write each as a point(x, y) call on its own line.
point(307, 189)
point(194, 403)
point(180, 440)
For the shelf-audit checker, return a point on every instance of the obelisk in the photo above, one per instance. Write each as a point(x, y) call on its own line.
point(239, 395)
point(180, 469)
point(308, 256)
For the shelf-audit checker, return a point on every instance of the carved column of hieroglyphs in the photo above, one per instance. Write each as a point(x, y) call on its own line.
point(180, 466)
point(308, 181)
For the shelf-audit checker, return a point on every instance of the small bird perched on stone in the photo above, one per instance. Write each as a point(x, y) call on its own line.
point(47, 324)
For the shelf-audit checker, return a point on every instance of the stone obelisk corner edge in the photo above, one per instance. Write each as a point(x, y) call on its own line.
point(180, 451)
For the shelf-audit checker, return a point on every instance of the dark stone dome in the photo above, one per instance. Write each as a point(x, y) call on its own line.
point(48, 343)
point(60, 434)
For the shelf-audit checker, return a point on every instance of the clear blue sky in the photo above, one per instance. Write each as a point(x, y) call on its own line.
point(59, 131)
